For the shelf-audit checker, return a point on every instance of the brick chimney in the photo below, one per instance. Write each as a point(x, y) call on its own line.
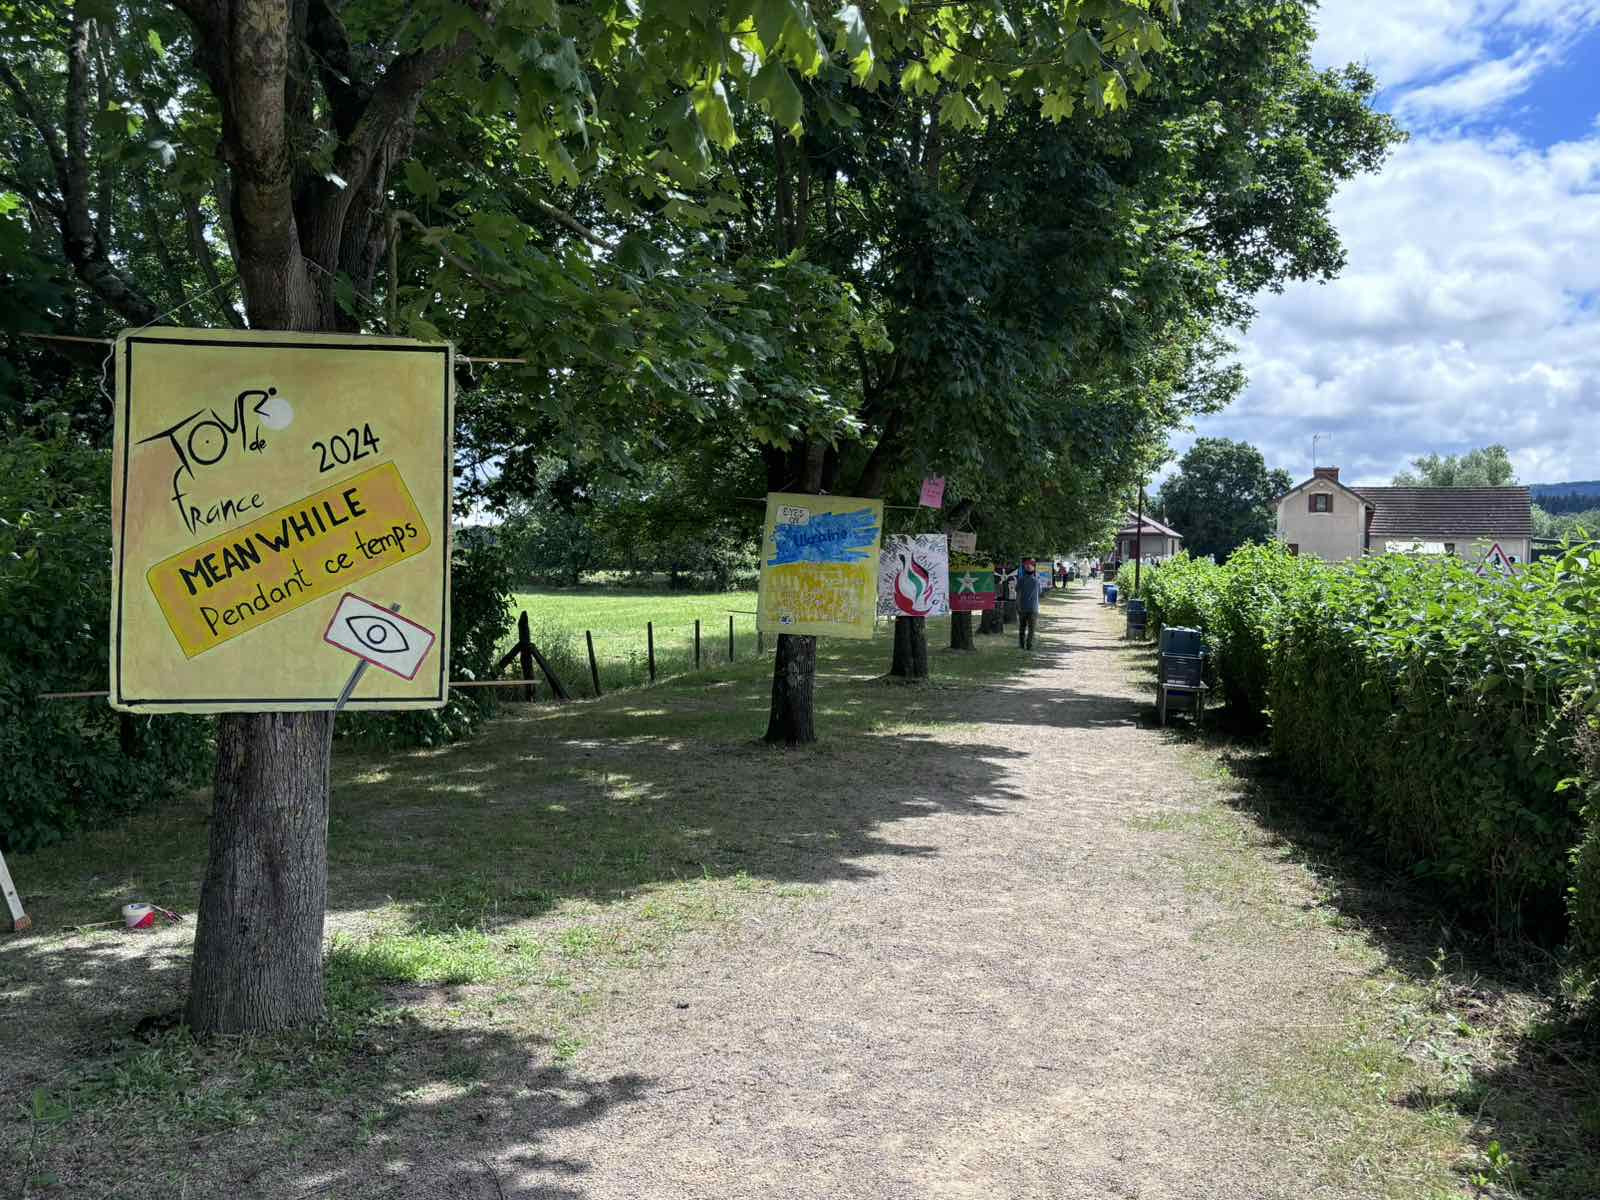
point(1326, 473)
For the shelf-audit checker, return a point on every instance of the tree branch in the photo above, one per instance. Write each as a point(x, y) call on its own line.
point(201, 249)
point(83, 248)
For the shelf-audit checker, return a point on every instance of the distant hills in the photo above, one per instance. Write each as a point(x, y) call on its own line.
point(1576, 496)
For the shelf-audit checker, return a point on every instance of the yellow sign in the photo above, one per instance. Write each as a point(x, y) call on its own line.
point(257, 476)
point(240, 580)
point(819, 565)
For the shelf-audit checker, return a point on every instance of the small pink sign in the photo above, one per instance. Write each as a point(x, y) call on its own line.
point(932, 492)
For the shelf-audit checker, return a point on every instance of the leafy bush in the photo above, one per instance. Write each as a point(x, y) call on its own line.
point(67, 764)
point(1435, 711)
point(1447, 719)
point(1184, 593)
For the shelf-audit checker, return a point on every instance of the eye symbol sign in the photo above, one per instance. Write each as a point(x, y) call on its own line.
point(378, 633)
point(383, 637)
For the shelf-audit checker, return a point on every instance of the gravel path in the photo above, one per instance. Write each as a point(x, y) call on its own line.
point(1038, 1003)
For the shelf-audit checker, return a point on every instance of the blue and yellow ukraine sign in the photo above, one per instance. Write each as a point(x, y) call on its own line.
point(819, 565)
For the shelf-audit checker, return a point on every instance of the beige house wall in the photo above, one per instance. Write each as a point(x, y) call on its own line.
point(1333, 536)
point(1151, 545)
point(1470, 548)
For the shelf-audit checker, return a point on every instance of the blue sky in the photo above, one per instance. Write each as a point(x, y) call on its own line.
point(1469, 311)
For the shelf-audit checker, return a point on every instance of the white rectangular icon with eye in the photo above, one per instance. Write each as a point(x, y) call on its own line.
point(384, 638)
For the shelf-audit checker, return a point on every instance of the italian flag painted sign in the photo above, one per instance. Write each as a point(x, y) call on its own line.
point(914, 576)
point(972, 586)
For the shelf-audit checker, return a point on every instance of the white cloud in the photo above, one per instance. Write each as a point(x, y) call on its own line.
point(1444, 59)
point(1469, 314)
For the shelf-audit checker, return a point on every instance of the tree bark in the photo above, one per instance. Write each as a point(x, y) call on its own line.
point(992, 621)
point(961, 631)
point(791, 719)
point(910, 649)
point(258, 936)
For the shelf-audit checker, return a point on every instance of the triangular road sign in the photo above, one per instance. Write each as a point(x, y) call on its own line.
point(1497, 562)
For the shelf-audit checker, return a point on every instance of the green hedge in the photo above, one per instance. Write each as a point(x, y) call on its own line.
point(1447, 719)
point(68, 764)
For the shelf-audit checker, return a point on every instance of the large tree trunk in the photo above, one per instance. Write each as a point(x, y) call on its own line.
point(992, 621)
point(791, 720)
point(961, 631)
point(258, 938)
point(910, 649)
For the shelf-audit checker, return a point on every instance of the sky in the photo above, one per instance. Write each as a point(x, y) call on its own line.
point(1469, 310)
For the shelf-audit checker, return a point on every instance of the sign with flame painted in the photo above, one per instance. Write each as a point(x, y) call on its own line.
point(256, 477)
point(914, 576)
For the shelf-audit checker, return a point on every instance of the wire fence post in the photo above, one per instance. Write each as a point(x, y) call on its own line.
point(760, 649)
point(650, 647)
point(730, 637)
point(697, 643)
point(525, 655)
point(594, 670)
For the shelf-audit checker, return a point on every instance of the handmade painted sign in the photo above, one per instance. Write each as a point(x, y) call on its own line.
point(257, 476)
point(379, 635)
point(963, 543)
point(932, 492)
point(914, 576)
point(819, 559)
point(1497, 561)
point(972, 585)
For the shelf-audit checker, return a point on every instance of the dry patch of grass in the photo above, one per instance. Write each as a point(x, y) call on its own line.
point(489, 905)
point(1441, 1068)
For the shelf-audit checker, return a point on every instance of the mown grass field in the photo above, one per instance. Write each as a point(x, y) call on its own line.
point(617, 617)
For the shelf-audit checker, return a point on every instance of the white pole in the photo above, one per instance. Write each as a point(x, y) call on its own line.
point(20, 921)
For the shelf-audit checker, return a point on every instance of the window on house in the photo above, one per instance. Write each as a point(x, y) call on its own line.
point(1321, 502)
point(1449, 547)
point(1294, 549)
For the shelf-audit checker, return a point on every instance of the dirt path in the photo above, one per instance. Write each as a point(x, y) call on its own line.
point(1038, 1002)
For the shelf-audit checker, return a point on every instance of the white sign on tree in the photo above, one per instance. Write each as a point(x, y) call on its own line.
point(914, 576)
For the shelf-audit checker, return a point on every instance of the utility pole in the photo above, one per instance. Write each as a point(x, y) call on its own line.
point(1138, 540)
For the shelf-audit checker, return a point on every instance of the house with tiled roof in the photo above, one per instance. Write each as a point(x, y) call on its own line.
point(1147, 538)
point(1334, 521)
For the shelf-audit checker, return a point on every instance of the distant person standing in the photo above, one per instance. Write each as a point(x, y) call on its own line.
point(1028, 584)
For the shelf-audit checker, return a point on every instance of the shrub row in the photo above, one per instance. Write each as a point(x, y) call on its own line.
point(1448, 719)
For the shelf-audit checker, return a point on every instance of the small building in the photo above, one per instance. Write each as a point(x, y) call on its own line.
point(1333, 521)
point(1150, 541)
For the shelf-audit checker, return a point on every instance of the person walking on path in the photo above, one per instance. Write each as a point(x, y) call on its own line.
point(1028, 584)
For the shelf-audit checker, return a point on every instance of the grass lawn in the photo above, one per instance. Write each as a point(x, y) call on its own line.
point(486, 902)
point(617, 618)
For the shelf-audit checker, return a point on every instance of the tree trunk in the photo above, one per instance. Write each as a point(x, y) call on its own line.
point(791, 719)
point(961, 631)
point(258, 936)
point(910, 649)
point(992, 621)
point(1008, 611)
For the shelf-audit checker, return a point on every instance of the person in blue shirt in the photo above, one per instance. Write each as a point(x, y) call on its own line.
point(1028, 584)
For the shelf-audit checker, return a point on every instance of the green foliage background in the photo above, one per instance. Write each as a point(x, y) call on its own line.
point(67, 764)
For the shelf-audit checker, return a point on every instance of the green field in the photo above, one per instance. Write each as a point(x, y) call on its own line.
point(617, 618)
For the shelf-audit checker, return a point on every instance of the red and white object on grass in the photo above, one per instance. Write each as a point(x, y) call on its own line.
point(379, 636)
